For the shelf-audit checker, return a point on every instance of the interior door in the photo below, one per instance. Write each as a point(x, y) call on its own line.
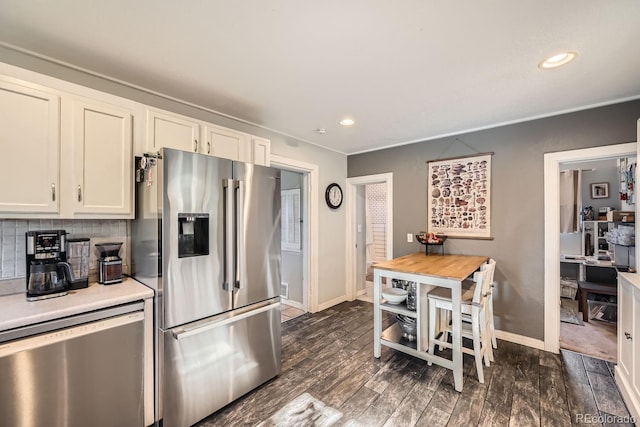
point(258, 228)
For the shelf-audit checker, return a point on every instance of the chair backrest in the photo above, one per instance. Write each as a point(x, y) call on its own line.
point(479, 277)
point(483, 279)
point(491, 268)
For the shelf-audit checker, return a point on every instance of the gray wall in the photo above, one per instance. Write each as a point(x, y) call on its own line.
point(517, 197)
point(604, 171)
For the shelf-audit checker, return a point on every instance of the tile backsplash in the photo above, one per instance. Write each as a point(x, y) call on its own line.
point(12, 240)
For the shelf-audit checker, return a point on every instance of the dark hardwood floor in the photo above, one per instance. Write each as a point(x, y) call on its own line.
point(330, 356)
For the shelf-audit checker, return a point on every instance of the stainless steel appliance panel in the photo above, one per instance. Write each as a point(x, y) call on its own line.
point(210, 363)
point(258, 210)
point(86, 375)
point(192, 288)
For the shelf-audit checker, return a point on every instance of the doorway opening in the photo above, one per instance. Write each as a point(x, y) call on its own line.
point(369, 231)
point(299, 236)
point(292, 290)
point(579, 255)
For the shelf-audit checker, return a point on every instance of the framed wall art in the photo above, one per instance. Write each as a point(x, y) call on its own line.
point(459, 197)
point(600, 190)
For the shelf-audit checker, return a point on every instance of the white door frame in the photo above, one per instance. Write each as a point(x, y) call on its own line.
point(310, 196)
point(352, 236)
point(552, 254)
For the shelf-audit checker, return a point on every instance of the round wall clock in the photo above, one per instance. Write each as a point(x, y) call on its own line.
point(333, 196)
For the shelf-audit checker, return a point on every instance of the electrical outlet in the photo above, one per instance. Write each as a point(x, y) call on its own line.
point(409, 238)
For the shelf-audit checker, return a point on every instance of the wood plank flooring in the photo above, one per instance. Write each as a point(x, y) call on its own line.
point(330, 355)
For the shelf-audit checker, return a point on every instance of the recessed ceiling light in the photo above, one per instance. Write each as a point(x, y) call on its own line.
point(558, 60)
point(347, 122)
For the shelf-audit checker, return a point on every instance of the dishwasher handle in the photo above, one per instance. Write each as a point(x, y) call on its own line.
point(37, 341)
point(182, 333)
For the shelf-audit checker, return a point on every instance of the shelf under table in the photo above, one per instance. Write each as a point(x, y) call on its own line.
point(397, 309)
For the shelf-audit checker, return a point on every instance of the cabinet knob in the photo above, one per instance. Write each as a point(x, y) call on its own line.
point(53, 192)
point(208, 147)
point(79, 193)
point(627, 335)
point(195, 145)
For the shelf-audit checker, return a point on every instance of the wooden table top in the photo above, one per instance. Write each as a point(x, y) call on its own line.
point(456, 267)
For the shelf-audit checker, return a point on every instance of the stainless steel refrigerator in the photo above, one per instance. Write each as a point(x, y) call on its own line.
point(206, 238)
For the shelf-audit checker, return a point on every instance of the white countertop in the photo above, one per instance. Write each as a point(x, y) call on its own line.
point(633, 278)
point(16, 311)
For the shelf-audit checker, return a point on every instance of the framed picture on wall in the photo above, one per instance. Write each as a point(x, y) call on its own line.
point(600, 190)
point(459, 197)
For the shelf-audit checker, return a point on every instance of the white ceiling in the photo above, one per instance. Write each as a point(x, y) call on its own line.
point(406, 70)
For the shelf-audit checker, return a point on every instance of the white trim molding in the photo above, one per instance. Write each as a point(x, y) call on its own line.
point(310, 242)
point(520, 339)
point(331, 303)
point(552, 163)
point(351, 234)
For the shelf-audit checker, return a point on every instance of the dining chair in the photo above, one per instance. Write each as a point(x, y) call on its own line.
point(475, 317)
point(445, 317)
point(492, 326)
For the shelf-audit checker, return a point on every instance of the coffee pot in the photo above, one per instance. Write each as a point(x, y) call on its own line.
point(48, 280)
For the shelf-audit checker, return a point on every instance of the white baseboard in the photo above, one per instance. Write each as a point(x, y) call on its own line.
point(361, 292)
point(520, 339)
point(291, 303)
point(331, 303)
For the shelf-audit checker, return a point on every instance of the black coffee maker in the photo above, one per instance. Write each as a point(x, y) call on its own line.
point(48, 273)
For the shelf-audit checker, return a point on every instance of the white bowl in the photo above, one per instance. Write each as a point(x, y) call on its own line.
point(394, 295)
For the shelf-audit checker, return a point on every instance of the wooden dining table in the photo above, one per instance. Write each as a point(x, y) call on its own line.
point(428, 271)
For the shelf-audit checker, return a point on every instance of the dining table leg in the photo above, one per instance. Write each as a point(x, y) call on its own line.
point(456, 324)
point(377, 316)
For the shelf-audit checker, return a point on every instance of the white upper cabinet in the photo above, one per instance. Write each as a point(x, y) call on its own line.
point(102, 145)
point(66, 150)
point(165, 129)
point(30, 147)
point(261, 151)
point(226, 143)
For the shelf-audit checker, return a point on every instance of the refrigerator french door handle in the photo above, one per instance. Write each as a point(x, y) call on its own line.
point(187, 332)
point(240, 241)
point(229, 235)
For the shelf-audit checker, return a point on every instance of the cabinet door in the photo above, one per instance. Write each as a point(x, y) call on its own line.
point(172, 131)
point(635, 341)
point(625, 327)
point(226, 143)
point(102, 167)
point(30, 144)
point(261, 151)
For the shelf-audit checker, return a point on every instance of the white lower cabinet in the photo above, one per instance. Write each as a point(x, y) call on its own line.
point(30, 146)
point(627, 371)
point(102, 141)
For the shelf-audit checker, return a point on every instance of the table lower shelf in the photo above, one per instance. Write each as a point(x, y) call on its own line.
point(398, 309)
point(392, 337)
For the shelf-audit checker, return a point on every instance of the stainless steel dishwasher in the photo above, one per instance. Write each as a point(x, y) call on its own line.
point(84, 370)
